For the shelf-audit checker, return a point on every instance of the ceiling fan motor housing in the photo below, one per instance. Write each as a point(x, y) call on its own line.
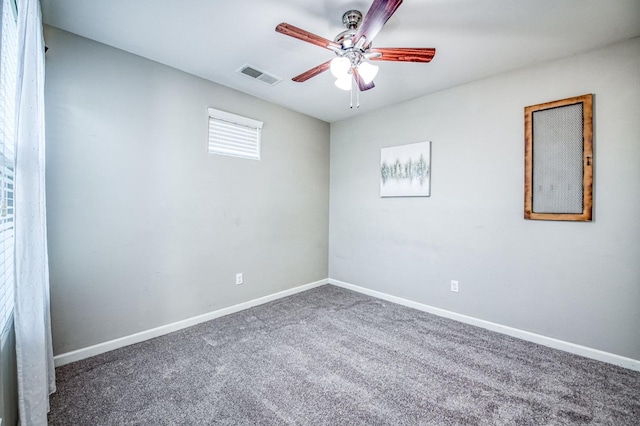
point(351, 19)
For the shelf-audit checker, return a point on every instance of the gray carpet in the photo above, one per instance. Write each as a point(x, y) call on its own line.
point(329, 356)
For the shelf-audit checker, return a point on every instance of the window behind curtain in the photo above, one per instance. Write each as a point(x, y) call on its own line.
point(8, 63)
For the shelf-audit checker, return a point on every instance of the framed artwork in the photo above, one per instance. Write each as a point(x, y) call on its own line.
point(559, 160)
point(405, 170)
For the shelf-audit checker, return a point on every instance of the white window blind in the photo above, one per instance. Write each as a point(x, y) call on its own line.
point(8, 71)
point(235, 135)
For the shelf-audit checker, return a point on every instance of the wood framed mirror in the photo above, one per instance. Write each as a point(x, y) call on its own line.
point(559, 160)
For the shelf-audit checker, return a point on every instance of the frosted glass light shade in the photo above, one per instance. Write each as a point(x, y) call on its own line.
point(367, 71)
point(340, 67)
point(344, 82)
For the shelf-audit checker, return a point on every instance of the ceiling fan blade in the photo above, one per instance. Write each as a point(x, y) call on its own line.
point(300, 34)
point(378, 15)
point(312, 72)
point(361, 84)
point(403, 54)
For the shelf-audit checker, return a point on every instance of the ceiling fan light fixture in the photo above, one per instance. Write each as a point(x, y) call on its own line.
point(353, 48)
point(367, 71)
point(344, 82)
point(340, 67)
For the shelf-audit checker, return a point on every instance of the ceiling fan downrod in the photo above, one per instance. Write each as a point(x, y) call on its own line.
point(351, 19)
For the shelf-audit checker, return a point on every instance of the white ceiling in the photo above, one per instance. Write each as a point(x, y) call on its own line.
point(474, 39)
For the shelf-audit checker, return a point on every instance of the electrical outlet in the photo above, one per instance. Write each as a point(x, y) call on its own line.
point(454, 286)
point(239, 279)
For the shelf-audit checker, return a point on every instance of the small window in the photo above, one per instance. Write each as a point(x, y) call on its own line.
point(234, 135)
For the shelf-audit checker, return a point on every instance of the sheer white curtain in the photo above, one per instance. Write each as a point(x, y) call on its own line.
point(36, 375)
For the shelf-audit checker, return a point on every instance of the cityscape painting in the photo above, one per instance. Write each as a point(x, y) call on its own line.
point(405, 170)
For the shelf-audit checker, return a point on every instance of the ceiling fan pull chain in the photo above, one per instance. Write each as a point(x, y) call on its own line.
point(351, 96)
point(357, 98)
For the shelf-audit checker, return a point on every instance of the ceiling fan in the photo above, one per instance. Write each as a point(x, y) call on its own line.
point(353, 47)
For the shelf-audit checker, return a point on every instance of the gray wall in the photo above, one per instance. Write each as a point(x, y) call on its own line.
point(579, 282)
point(145, 227)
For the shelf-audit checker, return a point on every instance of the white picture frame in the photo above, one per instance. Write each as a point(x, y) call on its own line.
point(405, 170)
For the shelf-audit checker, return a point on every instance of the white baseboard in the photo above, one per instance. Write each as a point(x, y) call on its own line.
point(90, 351)
point(562, 345)
point(573, 348)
